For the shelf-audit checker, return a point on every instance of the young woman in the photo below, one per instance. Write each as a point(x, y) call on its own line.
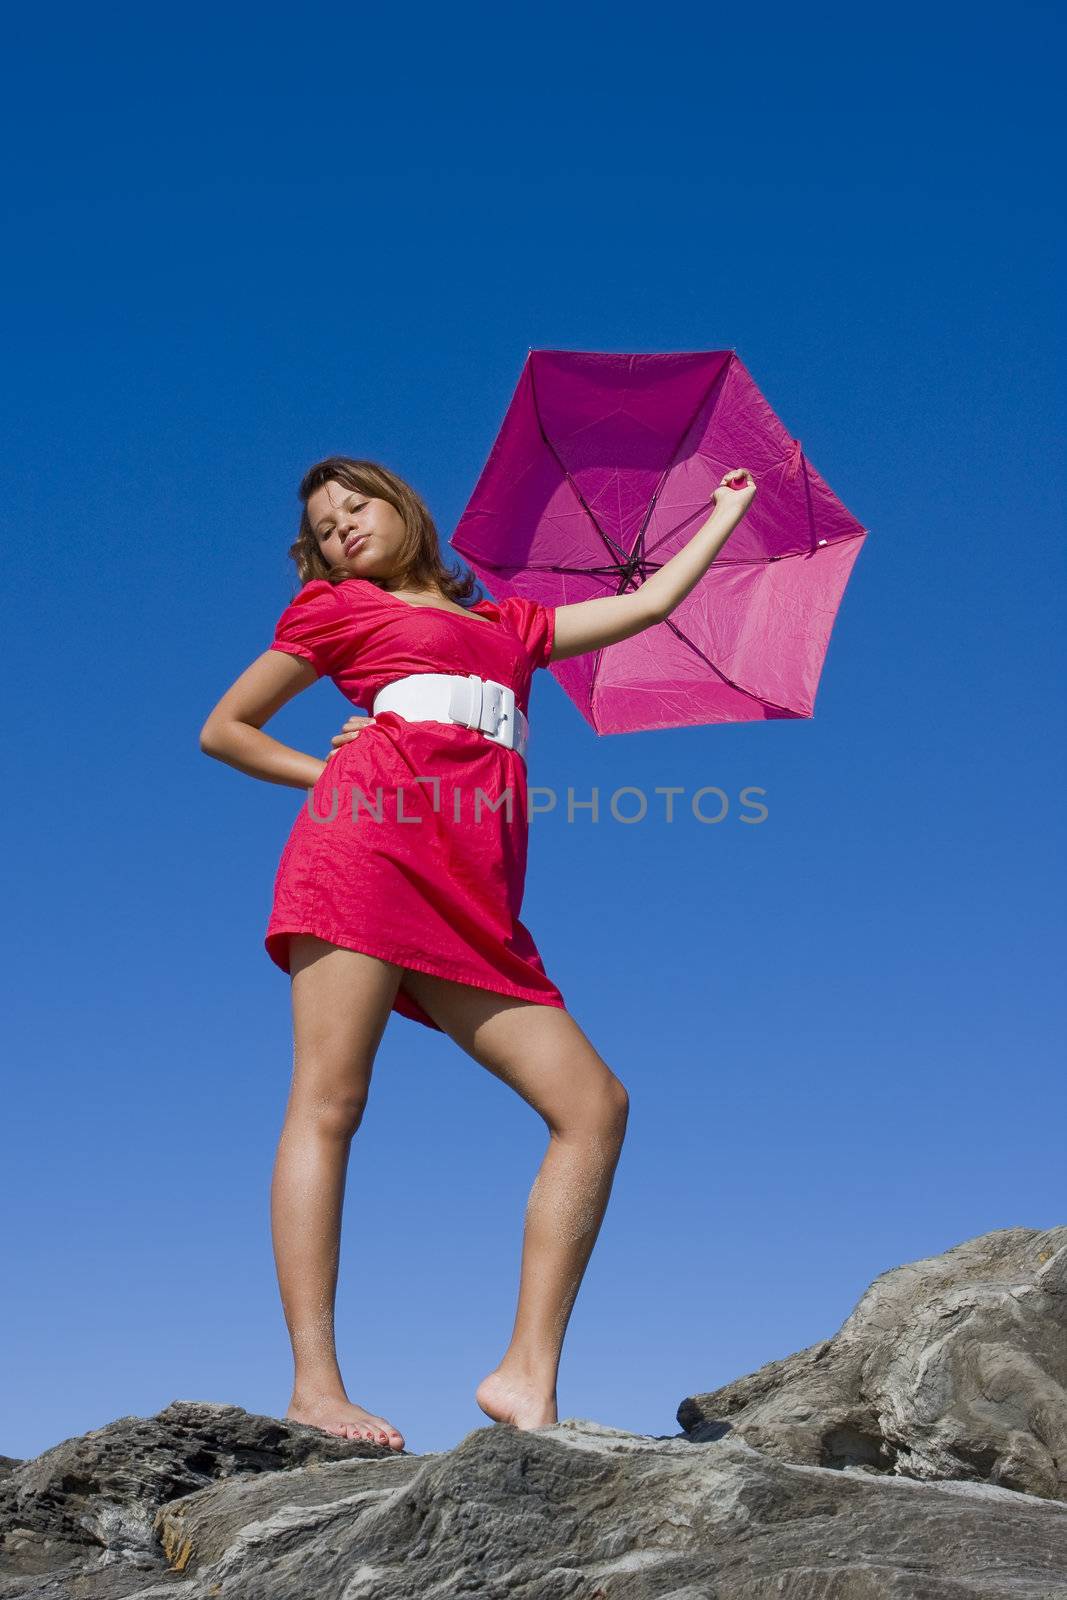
point(400, 886)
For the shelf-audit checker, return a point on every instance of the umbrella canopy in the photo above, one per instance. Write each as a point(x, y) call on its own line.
point(603, 468)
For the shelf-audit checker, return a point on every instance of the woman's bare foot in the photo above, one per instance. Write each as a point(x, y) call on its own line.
point(511, 1397)
point(336, 1414)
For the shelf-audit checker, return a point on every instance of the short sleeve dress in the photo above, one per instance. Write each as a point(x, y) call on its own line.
point(412, 846)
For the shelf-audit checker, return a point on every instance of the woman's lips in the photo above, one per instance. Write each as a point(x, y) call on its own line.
point(354, 544)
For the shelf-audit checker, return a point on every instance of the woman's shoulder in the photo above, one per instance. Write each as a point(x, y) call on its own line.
point(319, 623)
point(317, 591)
point(534, 622)
point(320, 598)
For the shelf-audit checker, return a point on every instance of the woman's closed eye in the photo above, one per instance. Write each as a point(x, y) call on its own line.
point(324, 533)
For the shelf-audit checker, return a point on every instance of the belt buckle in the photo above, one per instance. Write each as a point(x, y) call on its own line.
point(487, 707)
point(499, 711)
point(492, 709)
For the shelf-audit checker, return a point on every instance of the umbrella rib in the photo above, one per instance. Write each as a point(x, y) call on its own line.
point(792, 461)
point(760, 561)
point(787, 555)
point(654, 566)
point(789, 711)
point(637, 554)
point(801, 461)
point(677, 529)
point(613, 548)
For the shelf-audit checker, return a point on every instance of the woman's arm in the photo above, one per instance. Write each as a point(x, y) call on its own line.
point(589, 624)
point(233, 731)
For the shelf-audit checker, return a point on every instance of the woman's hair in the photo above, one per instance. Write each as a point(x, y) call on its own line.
point(421, 560)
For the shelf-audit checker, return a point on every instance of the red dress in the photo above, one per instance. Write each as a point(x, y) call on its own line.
point(428, 874)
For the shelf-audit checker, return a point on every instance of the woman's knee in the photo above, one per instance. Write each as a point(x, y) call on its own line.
point(600, 1113)
point(331, 1113)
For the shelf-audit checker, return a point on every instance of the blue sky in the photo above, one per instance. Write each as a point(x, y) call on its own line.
point(233, 249)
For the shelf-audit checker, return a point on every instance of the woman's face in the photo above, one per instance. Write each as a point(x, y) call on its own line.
point(356, 531)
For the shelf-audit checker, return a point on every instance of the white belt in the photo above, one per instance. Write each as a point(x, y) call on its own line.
point(473, 702)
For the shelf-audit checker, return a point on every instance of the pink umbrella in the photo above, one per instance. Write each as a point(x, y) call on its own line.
point(602, 469)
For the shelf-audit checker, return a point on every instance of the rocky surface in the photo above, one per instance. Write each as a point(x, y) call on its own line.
point(950, 1367)
point(918, 1453)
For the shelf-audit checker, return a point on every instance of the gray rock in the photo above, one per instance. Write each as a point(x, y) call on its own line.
point(950, 1367)
point(854, 1470)
point(97, 1494)
point(579, 1509)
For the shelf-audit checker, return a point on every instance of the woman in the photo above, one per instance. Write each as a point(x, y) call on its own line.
point(400, 885)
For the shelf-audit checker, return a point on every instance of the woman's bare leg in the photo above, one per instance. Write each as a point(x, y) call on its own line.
point(542, 1053)
point(341, 1003)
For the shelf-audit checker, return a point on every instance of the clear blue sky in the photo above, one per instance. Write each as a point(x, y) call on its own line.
point(237, 243)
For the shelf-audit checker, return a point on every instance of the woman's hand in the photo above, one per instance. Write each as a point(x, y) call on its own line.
point(350, 730)
point(736, 491)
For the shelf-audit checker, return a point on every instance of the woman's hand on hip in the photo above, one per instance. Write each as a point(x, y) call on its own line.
point(351, 729)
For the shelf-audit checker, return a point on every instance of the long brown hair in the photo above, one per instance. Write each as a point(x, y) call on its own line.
point(421, 559)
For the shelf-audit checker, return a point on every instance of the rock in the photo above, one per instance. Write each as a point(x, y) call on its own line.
point(206, 1502)
point(950, 1367)
point(99, 1492)
point(586, 1511)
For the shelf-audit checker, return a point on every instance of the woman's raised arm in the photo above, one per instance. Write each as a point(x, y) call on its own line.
point(590, 624)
